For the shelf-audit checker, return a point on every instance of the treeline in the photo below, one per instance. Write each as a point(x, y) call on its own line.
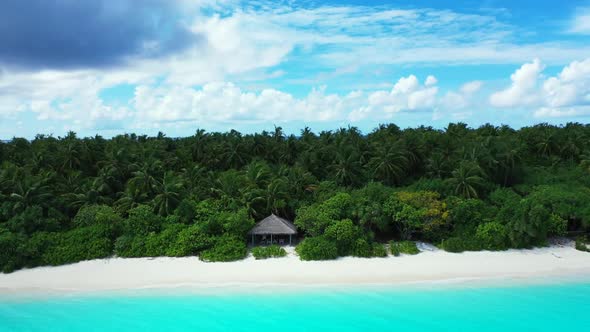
point(68, 199)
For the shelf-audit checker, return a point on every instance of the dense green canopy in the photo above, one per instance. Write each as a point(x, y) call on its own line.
point(67, 199)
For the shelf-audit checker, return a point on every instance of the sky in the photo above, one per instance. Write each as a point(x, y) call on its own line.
point(112, 67)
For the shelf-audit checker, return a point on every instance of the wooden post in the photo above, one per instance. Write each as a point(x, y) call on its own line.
point(252, 239)
point(290, 239)
point(271, 239)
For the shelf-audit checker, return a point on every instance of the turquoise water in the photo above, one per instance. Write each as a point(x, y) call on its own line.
point(555, 307)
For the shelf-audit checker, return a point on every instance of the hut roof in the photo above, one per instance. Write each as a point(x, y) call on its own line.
point(273, 225)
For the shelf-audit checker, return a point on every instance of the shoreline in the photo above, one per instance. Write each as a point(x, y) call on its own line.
point(430, 269)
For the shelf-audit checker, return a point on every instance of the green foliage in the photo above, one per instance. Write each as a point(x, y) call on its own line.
point(364, 248)
point(268, 252)
point(368, 206)
point(142, 220)
point(31, 219)
point(468, 214)
point(96, 215)
point(227, 248)
point(190, 241)
point(379, 250)
point(236, 223)
point(344, 234)
point(567, 202)
point(460, 244)
point(10, 257)
point(417, 212)
point(557, 225)
point(186, 211)
point(316, 249)
point(467, 180)
point(504, 196)
point(582, 243)
point(403, 247)
point(314, 219)
point(178, 196)
point(492, 236)
point(529, 226)
point(84, 243)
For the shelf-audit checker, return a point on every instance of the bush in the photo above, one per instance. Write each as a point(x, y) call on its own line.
point(157, 245)
point(317, 248)
point(237, 223)
point(557, 226)
point(582, 243)
point(9, 256)
point(142, 220)
point(124, 245)
point(96, 214)
point(364, 248)
point(379, 250)
point(403, 247)
point(268, 252)
point(460, 244)
point(344, 234)
point(31, 220)
point(492, 236)
point(227, 248)
point(80, 244)
point(190, 241)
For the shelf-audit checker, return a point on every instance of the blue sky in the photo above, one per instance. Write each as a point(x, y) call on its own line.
point(110, 67)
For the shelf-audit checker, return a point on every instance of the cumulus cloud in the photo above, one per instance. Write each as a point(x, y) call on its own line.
point(73, 34)
point(563, 95)
point(461, 99)
point(225, 102)
point(407, 95)
point(521, 91)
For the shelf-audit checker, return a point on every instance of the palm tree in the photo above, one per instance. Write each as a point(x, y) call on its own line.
point(85, 196)
point(144, 179)
point(467, 179)
point(130, 199)
point(389, 164)
point(169, 194)
point(585, 162)
point(233, 155)
point(30, 190)
point(437, 166)
point(508, 159)
point(347, 167)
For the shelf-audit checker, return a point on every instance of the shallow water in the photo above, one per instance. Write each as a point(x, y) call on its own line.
point(546, 307)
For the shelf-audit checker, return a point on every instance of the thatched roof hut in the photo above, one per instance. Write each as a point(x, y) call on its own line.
point(273, 226)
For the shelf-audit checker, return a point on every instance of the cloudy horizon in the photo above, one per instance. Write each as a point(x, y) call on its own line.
point(106, 67)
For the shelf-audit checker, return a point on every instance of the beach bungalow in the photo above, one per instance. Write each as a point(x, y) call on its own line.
point(273, 230)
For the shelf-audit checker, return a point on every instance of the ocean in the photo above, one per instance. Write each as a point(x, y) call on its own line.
point(541, 307)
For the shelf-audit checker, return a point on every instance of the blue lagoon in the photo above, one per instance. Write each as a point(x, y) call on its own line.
point(555, 306)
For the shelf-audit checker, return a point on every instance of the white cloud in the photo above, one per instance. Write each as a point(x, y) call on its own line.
point(407, 95)
point(471, 87)
point(581, 22)
point(430, 80)
point(226, 103)
point(521, 91)
point(548, 112)
point(461, 99)
point(564, 95)
point(570, 87)
point(247, 43)
point(71, 97)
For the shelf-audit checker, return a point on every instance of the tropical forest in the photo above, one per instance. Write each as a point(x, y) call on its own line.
point(69, 199)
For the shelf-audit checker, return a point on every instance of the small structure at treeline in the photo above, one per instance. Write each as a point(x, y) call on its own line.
point(273, 230)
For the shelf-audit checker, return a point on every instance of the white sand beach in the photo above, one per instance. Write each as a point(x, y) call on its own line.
point(431, 265)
